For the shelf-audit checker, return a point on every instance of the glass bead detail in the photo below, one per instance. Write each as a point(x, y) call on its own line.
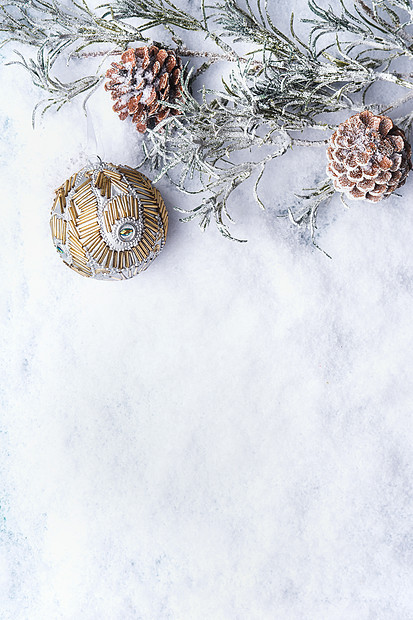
point(127, 232)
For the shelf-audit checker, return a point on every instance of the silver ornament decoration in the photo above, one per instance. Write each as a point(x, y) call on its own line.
point(108, 222)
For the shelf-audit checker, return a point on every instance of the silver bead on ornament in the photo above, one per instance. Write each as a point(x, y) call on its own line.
point(108, 222)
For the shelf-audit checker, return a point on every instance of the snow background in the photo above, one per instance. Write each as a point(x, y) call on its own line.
point(226, 436)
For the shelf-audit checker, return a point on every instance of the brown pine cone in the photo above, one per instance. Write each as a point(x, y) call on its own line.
point(368, 157)
point(145, 77)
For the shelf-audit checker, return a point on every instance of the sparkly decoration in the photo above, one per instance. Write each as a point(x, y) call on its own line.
point(108, 222)
point(143, 79)
point(368, 157)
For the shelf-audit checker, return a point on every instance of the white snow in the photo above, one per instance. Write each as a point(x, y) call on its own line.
point(227, 436)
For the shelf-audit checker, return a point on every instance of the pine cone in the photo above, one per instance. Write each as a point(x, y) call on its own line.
point(368, 157)
point(145, 77)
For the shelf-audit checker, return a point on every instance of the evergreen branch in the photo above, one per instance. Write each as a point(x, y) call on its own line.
point(194, 150)
point(243, 25)
point(300, 142)
point(162, 13)
point(182, 51)
point(313, 198)
point(60, 92)
point(56, 26)
point(292, 94)
point(383, 33)
point(157, 13)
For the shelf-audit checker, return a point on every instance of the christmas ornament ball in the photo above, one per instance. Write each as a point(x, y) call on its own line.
point(108, 222)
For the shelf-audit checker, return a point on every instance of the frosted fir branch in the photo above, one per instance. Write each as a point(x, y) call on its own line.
point(292, 95)
point(57, 25)
point(223, 183)
point(59, 92)
point(301, 142)
point(312, 199)
point(194, 151)
point(291, 80)
point(156, 13)
point(163, 13)
point(181, 50)
point(245, 25)
point(217, 193)
point(205, 133)
point(375, 26)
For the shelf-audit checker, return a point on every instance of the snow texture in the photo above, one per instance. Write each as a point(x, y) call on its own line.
point(227, 436)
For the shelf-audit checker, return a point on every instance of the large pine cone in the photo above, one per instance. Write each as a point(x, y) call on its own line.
point(368, 157)
point(145, 77)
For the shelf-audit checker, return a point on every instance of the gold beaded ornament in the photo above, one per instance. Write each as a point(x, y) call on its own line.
point(108, 222)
